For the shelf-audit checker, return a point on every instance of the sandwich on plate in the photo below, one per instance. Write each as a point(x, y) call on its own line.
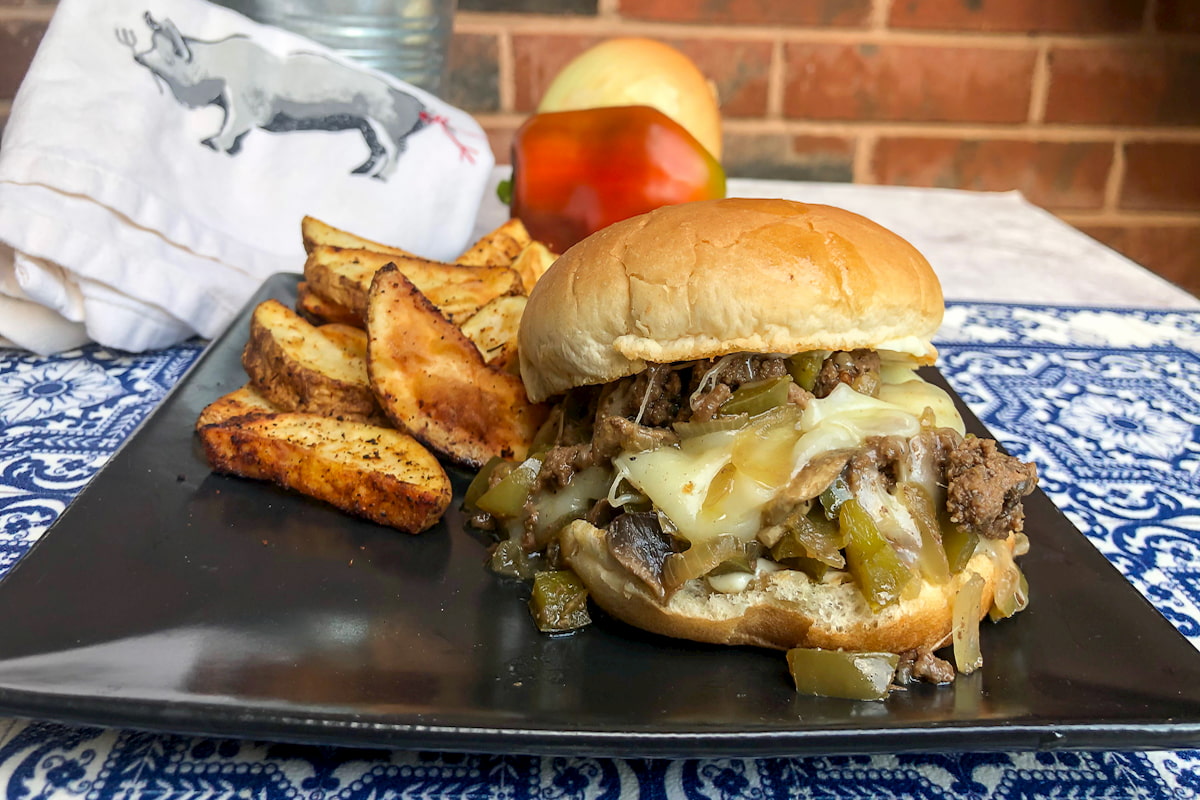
point(744, 451)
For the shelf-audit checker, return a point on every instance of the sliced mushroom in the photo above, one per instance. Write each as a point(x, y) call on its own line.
point(615, 435)
point(638, 543)
point(806, 484)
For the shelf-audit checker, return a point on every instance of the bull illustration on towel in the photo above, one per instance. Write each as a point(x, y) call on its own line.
point(298, 92)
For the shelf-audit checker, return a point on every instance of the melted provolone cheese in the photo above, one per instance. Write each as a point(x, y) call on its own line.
point(678, 479)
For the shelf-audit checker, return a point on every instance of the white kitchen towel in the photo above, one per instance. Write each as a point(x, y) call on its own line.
point(160, 154)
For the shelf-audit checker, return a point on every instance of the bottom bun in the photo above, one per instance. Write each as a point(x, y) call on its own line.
point(782, 609)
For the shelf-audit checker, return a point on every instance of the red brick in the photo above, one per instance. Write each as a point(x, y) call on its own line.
point(1020, 16)
point(1125, 85)
point(473, 72)
point(1172, 251)
point(1162, 176)
point(738, 68)
point(537, 59)
point(785, 157)
point(1177, 16)
point(19, 40)
point(824, 13)
point(1054, 174)
point(901, 82)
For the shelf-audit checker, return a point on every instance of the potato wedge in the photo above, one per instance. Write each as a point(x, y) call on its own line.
point(532, 263)
point(319, 310)
point(344, 277)
point(298, 368)
point(498, 247)
point(493, 329)
point(315, 233)
point(238, 403)
point(432, 381)
point(377, 473)
point(351, 338)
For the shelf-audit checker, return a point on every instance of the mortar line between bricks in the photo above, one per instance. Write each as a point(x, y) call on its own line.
point(1116, 179)
point(776, 81)
point(1148, 14)
point(527, 24)
point(864, 158)
point(506, 80)
point(1039, 92)
point(608, 9)
point(26, 13)
point(1021, 132)
point(880, 11)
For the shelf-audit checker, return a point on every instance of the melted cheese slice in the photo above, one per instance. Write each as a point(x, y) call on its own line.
point(699, 487)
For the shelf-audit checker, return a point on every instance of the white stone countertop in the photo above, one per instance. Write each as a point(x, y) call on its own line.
point(984, 246)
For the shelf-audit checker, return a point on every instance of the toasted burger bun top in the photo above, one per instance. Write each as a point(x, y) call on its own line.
point(700, 280)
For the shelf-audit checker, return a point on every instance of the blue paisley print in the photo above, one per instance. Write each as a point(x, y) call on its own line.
point(1106, 402)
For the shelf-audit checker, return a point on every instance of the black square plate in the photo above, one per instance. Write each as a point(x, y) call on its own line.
point(168, 598)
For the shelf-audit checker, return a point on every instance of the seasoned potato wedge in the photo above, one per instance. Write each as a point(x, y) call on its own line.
point(351, 338)
point(432, 381)
point(319, 310)
point(238, 403)
point(315, 233)
point(344, 277)
point(532, 263)
point(498, 247)
point(459, 301)
point(378, 473)
point(299, 368)
point(493, 329)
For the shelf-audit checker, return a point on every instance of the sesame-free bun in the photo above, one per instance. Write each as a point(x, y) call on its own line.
point(782, 609)
point(700, 280)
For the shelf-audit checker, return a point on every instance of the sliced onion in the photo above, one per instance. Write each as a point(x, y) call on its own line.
point(1012, 593)
point(764, 450)
point(733, 422)
point(699, 559)
point(967, 655)
point(932, 557)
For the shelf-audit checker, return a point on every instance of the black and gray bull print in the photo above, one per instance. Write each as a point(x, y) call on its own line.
point(298, 92)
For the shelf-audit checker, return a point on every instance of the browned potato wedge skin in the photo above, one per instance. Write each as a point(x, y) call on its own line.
point(314, 233)
point(498, 247)
point(238, 403)
point(432, 381)
point(343, 276)
point(319, 310)
point(376, 473)
point(298, 368)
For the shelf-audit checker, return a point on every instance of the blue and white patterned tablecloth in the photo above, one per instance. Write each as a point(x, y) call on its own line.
point(1106, 402)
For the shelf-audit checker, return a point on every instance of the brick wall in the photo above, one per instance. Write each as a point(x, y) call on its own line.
point(1089, 107)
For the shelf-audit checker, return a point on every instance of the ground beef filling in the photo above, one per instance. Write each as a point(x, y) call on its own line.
point(984, 485)
point(984, 488)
